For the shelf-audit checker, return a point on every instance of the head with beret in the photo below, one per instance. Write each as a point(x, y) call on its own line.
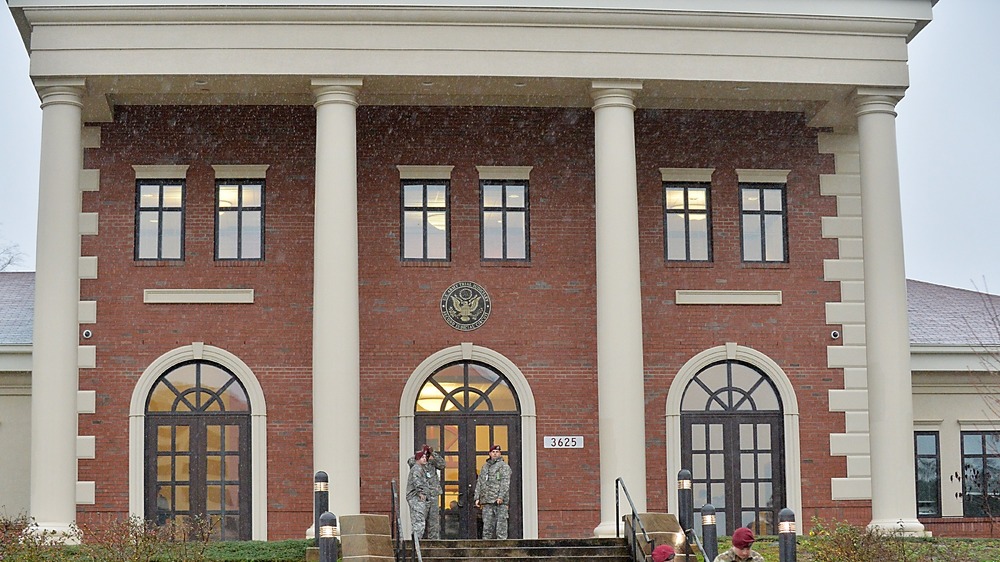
point(743, 538)
point(663, 553)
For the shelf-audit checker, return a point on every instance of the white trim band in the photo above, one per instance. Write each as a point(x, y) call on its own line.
point(762, 176)
point(701, 175)
point(727, 297)
point(197, 296)
point(504, 172)
point(424, 172)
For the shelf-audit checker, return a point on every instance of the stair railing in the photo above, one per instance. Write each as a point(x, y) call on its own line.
point(416, 549)
point(399, 547)
point(637, 554)
point(690, 534)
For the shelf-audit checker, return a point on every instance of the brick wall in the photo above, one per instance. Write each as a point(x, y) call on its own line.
point(543, 316)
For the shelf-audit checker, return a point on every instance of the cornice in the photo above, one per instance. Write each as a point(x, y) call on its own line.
point(462, 15)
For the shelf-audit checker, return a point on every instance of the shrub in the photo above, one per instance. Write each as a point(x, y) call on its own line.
point(840, 542)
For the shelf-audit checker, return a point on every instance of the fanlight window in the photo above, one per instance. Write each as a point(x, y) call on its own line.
point(466, 387)
point(730, 387)
point(198, 387)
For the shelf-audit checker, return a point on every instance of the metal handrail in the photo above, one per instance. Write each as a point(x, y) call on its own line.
point(633, 544)
point(416, 549)
point(693, 535)
point(399, 549)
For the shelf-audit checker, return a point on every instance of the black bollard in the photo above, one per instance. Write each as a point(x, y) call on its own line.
point(328, 543)
point(709, 533)
point(321, 499)
point(685, 500)
point(786, 535)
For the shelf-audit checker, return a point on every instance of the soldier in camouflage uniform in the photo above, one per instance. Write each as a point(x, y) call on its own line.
point(431, 508)
point(421, 491)
point(741, 552)
point(493, 495)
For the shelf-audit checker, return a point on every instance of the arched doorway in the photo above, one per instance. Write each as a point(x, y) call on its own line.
point(461, 411)
point(732, 438)
point(198, 450)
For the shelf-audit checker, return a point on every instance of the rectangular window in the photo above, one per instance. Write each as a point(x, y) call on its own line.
point(504, 225)
point(980, 473)
point(928, 470)
point(159, 220)
point(687, 222)
point(425, 219)
point(239, 220)
point(764, 223)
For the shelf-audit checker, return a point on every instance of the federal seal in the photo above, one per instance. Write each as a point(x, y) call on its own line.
point(465, 306)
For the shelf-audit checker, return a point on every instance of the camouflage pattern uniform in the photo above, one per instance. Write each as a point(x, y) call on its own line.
point(418, 490)
point(430, 510)
point(730, 556)
point(494, 484)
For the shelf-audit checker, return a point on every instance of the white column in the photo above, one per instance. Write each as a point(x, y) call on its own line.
point(336, 339)
point(890, 405)
point(620, 392)
point(55, 375)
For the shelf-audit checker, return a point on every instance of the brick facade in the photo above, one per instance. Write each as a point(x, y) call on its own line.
point(544, 312)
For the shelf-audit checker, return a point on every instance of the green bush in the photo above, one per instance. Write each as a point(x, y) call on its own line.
point(840, 542)
point(135, 540)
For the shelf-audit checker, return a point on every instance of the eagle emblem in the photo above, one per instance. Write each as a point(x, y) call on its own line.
point(465, 306)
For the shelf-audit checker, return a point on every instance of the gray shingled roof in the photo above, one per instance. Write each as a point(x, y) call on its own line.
point(942, 315)
point(17, 307)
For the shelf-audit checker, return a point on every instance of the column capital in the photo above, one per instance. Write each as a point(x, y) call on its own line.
point(877, 100)
point(61, 90)
point(614, 93)
point(336, 90)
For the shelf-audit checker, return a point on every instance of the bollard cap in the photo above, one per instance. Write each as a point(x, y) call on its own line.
point(328, 525)
point(321, 477)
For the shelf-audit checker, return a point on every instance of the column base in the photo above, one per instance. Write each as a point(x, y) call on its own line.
point(61, 533)
point(906, 527)
point(607, 529)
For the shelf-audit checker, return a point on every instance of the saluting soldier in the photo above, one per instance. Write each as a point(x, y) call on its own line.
point(420, 491)
point(430, 485)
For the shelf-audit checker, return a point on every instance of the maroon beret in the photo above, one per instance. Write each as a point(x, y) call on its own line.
point(663, 553)
point(743, 537)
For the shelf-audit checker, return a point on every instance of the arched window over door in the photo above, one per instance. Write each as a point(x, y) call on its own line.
point(732, 437)
point(461, 410)
point(197, 449)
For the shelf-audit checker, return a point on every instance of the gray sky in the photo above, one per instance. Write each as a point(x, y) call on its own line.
point(947, 134)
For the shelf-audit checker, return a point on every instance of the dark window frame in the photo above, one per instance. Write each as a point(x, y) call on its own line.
point(160, 209)
point(197, 409)
point(732, 407)
point(686, 213)
point(987, 503)
point(240, 209)
point(936, 457)
point(504, 211)
point(760, 215)
point(424, 209)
